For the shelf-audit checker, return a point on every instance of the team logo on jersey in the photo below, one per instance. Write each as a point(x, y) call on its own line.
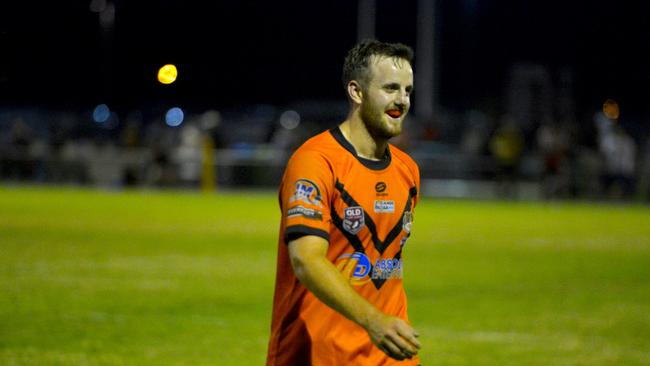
point(353, 219)
point(355, 267)
point(407, 220)
point(306, 191)
point(384, 206)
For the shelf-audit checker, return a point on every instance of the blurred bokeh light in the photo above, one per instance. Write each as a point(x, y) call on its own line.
point(174, 117)
point(167, 74)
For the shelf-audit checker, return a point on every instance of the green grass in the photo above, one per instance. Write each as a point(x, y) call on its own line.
point(156, 278)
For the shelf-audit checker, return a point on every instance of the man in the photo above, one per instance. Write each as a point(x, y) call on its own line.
point(347, 199)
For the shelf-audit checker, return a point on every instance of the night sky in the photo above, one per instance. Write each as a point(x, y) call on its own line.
point(233, 53)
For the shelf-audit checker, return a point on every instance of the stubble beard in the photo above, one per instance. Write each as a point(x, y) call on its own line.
point(377, 124)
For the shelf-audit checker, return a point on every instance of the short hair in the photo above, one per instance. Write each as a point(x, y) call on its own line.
point(357, 61)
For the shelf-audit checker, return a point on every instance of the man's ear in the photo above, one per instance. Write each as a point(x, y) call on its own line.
point(355, 92)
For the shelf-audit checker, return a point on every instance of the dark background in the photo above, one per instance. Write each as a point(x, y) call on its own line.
point(233, 53)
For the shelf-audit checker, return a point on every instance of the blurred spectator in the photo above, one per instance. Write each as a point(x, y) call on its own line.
point(208, 163)
point(643, 187)
point(18, 163)
point(476, 134)
point(160, 140)
point(507, 145)
point(75, 155)
point(130, 137)
point(105, 165)
point(188, 155)
point(130, 140)
point(21, 134)
point(553, 140)
point(618, 151)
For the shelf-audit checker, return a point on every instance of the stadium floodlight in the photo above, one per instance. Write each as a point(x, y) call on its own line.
point(167, 74)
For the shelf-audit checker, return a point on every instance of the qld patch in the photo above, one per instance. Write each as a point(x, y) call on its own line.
point(353, 219)
point(306, 191)
point(306, 212)
point(384, 206)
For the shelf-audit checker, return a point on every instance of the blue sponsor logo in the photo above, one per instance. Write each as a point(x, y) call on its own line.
point(386, 269)
point(384, 206)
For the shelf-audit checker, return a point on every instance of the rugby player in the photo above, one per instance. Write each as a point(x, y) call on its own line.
point(347, 199)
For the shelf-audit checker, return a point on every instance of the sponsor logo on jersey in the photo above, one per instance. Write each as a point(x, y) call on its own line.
point(306, 191)
point(407, 220)
point(384, 206)
point(387, 269)
point(355, 267)
point(380, 189)
point(353, 219)
point(305, 212)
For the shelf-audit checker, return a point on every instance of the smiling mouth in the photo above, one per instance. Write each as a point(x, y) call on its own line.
point(395, 113)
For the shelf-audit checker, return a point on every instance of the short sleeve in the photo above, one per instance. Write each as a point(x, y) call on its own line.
point(305, 196)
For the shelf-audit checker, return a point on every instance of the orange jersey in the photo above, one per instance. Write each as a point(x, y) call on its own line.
point(364, 208)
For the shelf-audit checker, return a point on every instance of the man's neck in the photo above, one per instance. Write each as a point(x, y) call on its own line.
point(367, 146)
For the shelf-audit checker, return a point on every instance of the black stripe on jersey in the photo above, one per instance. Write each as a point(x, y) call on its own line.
point(392, 235)
point(413, 191)
point(297, 231)
point(358, 247)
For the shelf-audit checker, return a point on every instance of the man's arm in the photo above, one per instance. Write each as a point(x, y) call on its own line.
point(390, 334)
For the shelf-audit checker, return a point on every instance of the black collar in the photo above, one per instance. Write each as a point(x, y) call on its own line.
point(370, 164)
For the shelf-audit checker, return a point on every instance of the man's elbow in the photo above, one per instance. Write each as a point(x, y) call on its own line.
point(305, 254)
point(300, 264)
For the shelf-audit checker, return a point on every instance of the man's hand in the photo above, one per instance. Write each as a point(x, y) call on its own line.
point(393, 336)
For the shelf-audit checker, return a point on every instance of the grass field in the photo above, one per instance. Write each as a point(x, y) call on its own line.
point(155, 278)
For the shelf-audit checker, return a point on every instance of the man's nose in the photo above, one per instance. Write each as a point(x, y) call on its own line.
point(403, 99)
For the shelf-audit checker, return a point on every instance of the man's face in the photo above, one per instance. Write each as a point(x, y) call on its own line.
point(386, 96)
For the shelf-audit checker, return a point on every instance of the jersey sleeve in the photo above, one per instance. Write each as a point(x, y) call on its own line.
point(305, 196)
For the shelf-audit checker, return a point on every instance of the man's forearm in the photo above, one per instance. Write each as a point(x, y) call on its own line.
point(322, 278)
